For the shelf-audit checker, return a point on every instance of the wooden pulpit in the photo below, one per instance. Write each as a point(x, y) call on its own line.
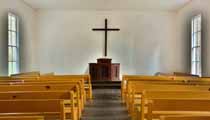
point(104, 70)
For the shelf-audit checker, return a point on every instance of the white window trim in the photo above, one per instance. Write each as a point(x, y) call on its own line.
point(200, 46)
point(17, 46)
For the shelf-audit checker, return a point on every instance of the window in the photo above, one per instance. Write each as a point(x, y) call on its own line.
point(13, 44)
point(196, 28)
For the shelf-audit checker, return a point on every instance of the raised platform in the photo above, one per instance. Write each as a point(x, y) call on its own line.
point(106, 84)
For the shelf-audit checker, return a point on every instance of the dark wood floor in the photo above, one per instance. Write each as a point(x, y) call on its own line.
point(106, 105)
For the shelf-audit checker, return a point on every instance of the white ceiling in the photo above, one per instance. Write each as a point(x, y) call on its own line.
point(157, 5)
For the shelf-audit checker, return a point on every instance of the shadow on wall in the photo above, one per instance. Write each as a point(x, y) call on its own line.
point(87, 70)
point(4, 44)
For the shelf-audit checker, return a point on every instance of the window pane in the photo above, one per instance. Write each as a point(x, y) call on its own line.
point(10, 68)
point(199, 23)
point(199, 39)
point(193, 68)
point(196, 45)
point(13, 24)
point(193, 54)
point(192, 26)
point(14, 39)
point(198, 68)
point(194, 39)
point(195, 25)
point(14, 68)
point(9, 23)
point(14, 51)
point(13, 55)
point(10, 54)
point(198, 56)
point(9, 38)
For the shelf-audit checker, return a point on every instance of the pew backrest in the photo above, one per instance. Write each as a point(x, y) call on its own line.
point(26, 74)
point(12, 95)
point(48, 74)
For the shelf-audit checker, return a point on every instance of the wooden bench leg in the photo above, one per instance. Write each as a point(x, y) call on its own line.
point(75, 114)
point(62, 114)
point(90, 93)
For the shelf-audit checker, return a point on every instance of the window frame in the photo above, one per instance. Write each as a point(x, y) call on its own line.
point(13, 59)
point(196, 45)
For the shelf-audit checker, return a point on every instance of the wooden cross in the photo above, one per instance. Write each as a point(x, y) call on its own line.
point(106, 30)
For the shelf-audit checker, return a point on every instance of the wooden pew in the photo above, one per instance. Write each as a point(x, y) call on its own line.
point(39, 103)
point(13, 117)
point(47, 87)
point(5, 78)
point(126, 78)
point(36, 107)
point(186, 81)
point(80, 88)
point(86, 78)
point(48, 74)
point(187, 78)
point(139, 86)
point(135, 95)
point(45, 80)
point(36, 76)
point(157, 103)
point(174, 74)
point(163, 74)
point(79, 82)
point(178, 81)
point(185, 117)
point(26, 74)
point(184, 74)
point(134, 82)
point(29, 80)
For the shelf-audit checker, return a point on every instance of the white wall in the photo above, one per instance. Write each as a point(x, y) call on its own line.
point(155, 44)
point(27, 29)
point(184, 18)
point(145, 45)
point(62, 40)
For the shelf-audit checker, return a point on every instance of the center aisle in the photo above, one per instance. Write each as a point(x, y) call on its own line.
point(106, 105)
